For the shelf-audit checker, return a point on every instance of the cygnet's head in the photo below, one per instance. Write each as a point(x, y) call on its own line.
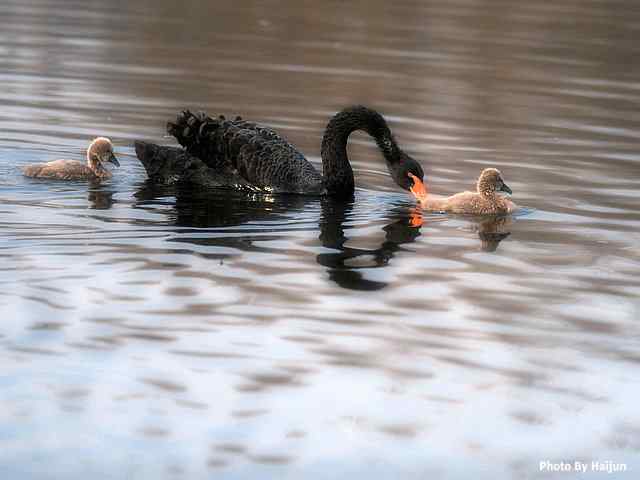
point(491, 181)
point(101, 151)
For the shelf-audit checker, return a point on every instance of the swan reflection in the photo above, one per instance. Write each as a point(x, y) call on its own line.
point(342, 265)
point(347, 266)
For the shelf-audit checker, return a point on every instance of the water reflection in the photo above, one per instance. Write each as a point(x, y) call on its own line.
point(346, 266)
point(342, 265)
point(188, 207)
point(100, 197)
point(493, 230)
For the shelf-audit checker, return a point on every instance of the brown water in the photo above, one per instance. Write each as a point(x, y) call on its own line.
point(157, 333)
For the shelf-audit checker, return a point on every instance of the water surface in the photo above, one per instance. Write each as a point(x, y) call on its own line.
point(157, 332)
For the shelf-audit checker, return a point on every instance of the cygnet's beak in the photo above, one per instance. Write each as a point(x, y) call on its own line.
point(418, 189)
point(505, 188)
point(112, 159)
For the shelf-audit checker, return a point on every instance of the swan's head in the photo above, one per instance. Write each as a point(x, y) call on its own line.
point(408, 174)
point(490, 181)
point(100, 152)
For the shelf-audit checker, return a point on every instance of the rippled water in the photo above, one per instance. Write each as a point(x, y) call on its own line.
point(152, 332)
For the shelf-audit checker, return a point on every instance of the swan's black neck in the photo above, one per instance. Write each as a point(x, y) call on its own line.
point(336, 169)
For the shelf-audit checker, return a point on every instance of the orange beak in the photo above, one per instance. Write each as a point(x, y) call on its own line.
point(418, 189)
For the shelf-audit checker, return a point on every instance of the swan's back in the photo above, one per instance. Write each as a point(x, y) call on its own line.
point(258, 154)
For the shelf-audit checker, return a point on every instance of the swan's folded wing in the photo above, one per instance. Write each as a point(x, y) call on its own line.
point(259, 155)
point(274, 165)
point(168, 165)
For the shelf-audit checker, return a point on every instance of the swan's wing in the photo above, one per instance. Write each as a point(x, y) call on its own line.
point(257, 153)
point(273, 164)
point(168, 165)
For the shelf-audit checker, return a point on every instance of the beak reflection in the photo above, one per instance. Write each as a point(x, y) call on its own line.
point(415, 218)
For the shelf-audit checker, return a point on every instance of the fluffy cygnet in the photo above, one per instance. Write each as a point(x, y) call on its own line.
point(99, 152)
point(485, 201)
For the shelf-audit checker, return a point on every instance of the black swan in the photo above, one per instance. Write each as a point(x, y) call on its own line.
point(246, 156)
